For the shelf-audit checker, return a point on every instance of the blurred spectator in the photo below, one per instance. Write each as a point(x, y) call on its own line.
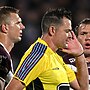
point(3, 2)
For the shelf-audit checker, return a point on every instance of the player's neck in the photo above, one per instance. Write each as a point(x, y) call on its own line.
point(7, 45)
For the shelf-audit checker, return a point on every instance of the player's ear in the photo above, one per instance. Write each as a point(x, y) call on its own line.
point(52, 30)
point(4, 28)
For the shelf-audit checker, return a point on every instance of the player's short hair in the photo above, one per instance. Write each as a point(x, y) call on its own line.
point(84, 21)
point(5, 13)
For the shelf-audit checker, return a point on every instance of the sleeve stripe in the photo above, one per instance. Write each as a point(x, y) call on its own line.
point(31, 60)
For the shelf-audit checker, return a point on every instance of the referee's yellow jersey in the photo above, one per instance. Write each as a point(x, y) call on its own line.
point(40, 61)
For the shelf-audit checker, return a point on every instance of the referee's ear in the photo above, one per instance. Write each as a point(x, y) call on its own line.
point(52, 30)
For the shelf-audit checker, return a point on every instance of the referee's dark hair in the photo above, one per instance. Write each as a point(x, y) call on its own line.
point(54, 17)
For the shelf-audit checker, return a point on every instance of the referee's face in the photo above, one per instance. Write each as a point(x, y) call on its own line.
point(63, 33)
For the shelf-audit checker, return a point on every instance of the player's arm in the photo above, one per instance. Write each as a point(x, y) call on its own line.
point(81, 83)
point(75, 48)
point(15, 85)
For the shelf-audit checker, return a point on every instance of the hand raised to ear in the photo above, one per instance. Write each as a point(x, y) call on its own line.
point(73, 46)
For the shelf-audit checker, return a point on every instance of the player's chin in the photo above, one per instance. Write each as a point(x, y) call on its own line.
point(18, 39)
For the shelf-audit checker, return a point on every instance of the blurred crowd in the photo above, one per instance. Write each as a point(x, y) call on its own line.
point(31, 12)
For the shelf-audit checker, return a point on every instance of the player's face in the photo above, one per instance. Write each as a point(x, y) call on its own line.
point(84, 37)
point(63, 33)
point(15, 28)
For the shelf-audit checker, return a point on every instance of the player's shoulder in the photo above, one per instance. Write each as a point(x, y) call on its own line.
point(3, 52)
point(68, 59)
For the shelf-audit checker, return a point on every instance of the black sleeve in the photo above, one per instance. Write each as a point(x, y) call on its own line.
point(5, 66)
